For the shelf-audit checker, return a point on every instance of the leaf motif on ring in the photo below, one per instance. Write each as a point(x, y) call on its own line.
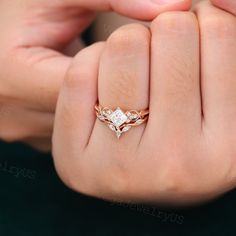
point(102, 118)
point(126, 128)
point(112, 127)
point(138, 122)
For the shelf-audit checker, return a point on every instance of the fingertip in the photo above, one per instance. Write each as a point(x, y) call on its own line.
point(149, 9)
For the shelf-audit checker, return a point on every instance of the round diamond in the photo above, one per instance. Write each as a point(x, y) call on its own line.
point(135, 116)
point(106, 112)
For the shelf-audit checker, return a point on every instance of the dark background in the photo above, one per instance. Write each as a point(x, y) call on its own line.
point(34, 202)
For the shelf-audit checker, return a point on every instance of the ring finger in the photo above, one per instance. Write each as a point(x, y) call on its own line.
point(124, 77)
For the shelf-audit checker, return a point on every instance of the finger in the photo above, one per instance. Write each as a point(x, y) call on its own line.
point(75, 111)
point(175, 103)
point(29, 124)
point(228, 5)
point(218, 37)
point(40, 69)
point(39, 78)
point(140, 9)
point(124, 74)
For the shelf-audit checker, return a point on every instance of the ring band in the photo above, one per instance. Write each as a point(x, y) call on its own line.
point(118, 120)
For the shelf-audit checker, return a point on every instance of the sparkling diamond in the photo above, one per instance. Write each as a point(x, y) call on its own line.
point(125, 129)
point(106, 112)
point(102, 118)
point(134, 116)
point(118, 117)
point(112, 127)
point(139, 122)
point(118, 134)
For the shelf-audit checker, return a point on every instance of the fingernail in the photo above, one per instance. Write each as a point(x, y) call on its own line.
point(167, 2)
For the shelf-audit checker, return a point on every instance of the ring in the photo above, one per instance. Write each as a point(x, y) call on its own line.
point(118, 120)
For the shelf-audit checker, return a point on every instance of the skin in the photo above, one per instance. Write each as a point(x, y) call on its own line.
point(35, 40)
point(110, 21)
point(186, 151)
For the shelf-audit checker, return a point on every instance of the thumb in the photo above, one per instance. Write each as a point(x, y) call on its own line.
point(228, 5)
point(139, 9)
point(40, 68)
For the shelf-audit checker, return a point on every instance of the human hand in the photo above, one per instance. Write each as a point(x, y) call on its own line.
point(34, 35)
point(186, 151)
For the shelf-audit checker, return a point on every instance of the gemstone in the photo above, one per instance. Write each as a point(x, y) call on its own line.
point(118, 117)
point(118, 134)
point(106, 112)
point(126, 128)
point(135, 116)
point(139, 122)
point(102, 118)
point(112, 127)
point(128, 120)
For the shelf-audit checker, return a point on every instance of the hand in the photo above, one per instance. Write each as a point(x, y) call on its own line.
point(186, 151)
point(34, 35)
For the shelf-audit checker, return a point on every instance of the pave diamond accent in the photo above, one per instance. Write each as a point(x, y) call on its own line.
point(118, 117)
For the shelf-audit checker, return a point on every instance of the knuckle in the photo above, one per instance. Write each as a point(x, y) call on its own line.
point(177, 22)
point(118, 184)
point(118, 188)
point(173, 180)
point(128, 38)
point(175, 169)
point(116, 181)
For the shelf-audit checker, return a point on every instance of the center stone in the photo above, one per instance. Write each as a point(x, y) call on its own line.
point(118, 117)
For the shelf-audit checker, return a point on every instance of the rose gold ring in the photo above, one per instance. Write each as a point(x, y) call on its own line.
point(118, 120)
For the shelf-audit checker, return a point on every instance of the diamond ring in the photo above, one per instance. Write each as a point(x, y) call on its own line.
point(118, 120)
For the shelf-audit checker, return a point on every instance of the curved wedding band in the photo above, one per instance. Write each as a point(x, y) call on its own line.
point(118, 120)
